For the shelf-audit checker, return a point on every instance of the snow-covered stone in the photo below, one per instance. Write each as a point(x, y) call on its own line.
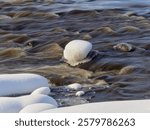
point(13, 84)
point(80, 93)
point(15, 104)
point(42, 90)
point(130, 106)
point(36, 108)
point(76, 51)
point(74, 86)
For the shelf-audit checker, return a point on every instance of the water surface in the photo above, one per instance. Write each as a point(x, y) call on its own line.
point(33, 35)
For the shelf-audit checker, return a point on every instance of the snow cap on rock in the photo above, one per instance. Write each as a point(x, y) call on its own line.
point(76, 51)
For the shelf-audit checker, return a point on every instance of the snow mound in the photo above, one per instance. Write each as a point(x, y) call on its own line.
point(12, 84)
point(36, 108)
point(76, 51)
point(42, 90)
point(15, 104)
point(133, 106)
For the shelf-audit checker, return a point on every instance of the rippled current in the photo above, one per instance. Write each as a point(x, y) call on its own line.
point(33, 34)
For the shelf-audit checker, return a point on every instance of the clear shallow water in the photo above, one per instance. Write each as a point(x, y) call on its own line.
point(32, 39)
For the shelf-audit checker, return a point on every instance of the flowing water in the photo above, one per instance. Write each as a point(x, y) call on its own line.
point(33, 34)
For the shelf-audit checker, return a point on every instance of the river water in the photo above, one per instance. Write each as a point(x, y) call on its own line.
point(34, 33)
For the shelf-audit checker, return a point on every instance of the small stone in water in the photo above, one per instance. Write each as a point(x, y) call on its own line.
point(127, 69)
point(124, 47)
point(101, 83)
point(86, 37)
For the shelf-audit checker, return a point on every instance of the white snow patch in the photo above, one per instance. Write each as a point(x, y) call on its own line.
point(42, 90)
point(132, 106)
point(15, 104)
point(12, 84)
point(76, 51)
point(36, 108)
point(74, 86)
point(80, 93)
